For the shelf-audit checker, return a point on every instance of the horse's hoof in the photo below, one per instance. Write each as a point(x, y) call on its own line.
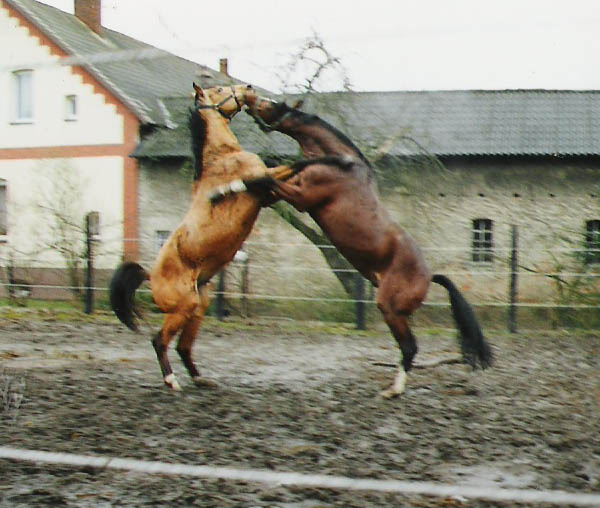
point(390, 394)
point(204, 383)
point(172, 383)
point(397, 387)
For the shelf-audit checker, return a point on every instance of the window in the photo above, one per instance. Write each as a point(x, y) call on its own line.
point(160, 237)
point(592, 241)
point(71, 107)
point(23, 96)
point(482, 241)
point(3, 208)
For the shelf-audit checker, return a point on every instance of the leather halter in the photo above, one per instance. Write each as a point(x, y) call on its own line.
point(217, 107)
point(264, 125)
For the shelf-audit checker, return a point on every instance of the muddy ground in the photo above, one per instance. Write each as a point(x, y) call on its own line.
point(293, 398)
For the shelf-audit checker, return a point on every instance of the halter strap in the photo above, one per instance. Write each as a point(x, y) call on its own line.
point(237, 102)
point(217, 107)
point(264, 125)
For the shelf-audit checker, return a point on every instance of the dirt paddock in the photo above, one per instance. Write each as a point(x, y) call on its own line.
point(293, 398)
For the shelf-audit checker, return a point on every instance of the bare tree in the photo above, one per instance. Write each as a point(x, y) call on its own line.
point(61, 206)
point(310, 71)
point(313, 69)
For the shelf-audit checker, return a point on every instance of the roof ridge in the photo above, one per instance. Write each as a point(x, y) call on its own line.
point(457, 91)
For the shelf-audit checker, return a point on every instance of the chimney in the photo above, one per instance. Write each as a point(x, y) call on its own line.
point(223, 66)
point(88, 11)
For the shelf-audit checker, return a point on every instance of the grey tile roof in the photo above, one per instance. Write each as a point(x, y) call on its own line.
point(175, 141)
point(445, 123)
point(510, 122)
point(137, 73)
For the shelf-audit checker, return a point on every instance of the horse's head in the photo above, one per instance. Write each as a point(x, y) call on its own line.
point(227, 100)
point(268, 113)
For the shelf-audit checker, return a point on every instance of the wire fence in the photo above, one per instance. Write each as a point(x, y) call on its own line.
point(257, 280)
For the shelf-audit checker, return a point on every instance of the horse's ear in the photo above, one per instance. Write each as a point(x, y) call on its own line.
point(298, 104)
point(199, 91)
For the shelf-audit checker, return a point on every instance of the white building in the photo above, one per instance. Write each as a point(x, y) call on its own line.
point(75, 100)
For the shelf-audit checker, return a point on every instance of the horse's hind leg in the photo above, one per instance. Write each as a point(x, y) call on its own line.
point(188, 336)
point(397, 299)
point(396, 308)
point(408, 349)
point(172, 323)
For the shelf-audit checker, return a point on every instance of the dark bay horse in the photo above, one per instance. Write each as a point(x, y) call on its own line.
point(338, 190)
point(206, 239)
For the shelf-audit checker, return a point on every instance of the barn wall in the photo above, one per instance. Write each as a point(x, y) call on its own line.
point(549, 200)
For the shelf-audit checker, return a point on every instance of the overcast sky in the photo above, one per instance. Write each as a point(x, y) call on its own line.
point(383, 44)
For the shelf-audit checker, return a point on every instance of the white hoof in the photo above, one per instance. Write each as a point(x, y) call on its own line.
point(397, 387)
point(389, 393)
point(172, 383)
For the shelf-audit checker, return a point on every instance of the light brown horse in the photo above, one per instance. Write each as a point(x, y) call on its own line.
point(207, 238)
point(339, 192)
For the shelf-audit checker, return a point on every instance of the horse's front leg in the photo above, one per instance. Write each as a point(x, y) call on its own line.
point(294, 194)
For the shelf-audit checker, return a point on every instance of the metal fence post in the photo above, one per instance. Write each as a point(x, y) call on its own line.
point(245, 288)
point(90, 231)
point(220, 296)
point(359, 296)
point(513, 286)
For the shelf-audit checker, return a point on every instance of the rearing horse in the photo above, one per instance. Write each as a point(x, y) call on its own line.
point(339, 192)
point(206, 239)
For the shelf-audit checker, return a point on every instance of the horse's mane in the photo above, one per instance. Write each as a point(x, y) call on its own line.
point(310, 119)
point(197, 126)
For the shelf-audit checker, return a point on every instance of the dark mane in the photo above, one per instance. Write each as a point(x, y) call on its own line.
point(197, 127)
point(309, 119)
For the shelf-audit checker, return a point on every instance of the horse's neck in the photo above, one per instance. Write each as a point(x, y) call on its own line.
point(315, 140)
point(219, 139)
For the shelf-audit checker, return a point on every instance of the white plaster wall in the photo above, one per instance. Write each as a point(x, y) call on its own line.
point(97, 121)
point(39, 188)
point(164, 196)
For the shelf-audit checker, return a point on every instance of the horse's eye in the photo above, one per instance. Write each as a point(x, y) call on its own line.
point(219, 90)
point(249, 87)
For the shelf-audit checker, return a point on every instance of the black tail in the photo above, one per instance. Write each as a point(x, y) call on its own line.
point(476, 351)
point(126, 279)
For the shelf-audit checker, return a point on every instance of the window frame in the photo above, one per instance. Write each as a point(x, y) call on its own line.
point(482, 241)
point(18, 116)
point(70, 115)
